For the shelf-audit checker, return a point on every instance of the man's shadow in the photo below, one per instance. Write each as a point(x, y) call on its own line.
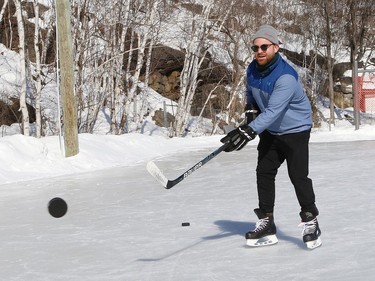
point(228, 228)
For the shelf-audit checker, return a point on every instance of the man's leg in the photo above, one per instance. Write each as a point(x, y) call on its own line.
point(296, 149)
point(269, 160)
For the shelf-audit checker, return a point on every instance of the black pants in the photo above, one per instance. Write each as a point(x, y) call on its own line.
point(272, 151)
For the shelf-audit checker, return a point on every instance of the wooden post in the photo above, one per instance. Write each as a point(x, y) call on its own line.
point(69, 107)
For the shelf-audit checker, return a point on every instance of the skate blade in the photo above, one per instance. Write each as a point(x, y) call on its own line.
point(264, 241)
point(314, 244)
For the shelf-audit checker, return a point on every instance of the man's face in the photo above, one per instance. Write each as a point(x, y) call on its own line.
point(264, 57)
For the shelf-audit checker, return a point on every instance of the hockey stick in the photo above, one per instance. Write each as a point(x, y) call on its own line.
point(159, 176)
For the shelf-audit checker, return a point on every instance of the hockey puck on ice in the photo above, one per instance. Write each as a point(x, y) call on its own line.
point(57, 207)
point(185, 224)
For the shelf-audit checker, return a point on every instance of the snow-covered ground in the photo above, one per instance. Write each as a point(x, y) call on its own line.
point(122, 225)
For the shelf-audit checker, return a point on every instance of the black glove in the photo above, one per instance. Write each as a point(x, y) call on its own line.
point(238, 138)
point(251, 112)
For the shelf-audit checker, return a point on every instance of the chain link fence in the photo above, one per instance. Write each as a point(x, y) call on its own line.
point(364, 96)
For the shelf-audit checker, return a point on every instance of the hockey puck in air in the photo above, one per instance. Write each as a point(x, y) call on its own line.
point(57, 207)
point(185, 224)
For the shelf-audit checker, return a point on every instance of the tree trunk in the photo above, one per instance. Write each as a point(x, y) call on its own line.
point(21, 51)
point(38, 82)
point(195, 54)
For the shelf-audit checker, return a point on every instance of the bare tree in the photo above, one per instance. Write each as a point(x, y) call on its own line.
point(111, 45)
point(359, 28)
point(203, 24)
point(325, 26)
point(2, 11)
point(151, 28)
point(23, 80)
point(235, 37)
point(99, 36)
point(90, 74)
point(332, 32)
point(38, 81)
point(194, 54)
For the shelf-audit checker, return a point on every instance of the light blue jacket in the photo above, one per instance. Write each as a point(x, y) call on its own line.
point(284, 106)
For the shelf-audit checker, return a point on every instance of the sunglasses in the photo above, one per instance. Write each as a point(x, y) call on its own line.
point(263, 47)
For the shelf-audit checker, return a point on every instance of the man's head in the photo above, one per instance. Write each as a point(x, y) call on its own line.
point(265, 44)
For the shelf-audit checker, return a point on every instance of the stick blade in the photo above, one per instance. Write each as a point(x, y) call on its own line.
point(156, 173)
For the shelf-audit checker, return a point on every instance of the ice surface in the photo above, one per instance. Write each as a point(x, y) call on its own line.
point(122, 225)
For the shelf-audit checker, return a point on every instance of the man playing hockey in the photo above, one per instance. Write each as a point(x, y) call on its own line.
point(279, 112)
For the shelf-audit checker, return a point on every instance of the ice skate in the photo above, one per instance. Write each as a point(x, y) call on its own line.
point(311, 231)
point(264, 233)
